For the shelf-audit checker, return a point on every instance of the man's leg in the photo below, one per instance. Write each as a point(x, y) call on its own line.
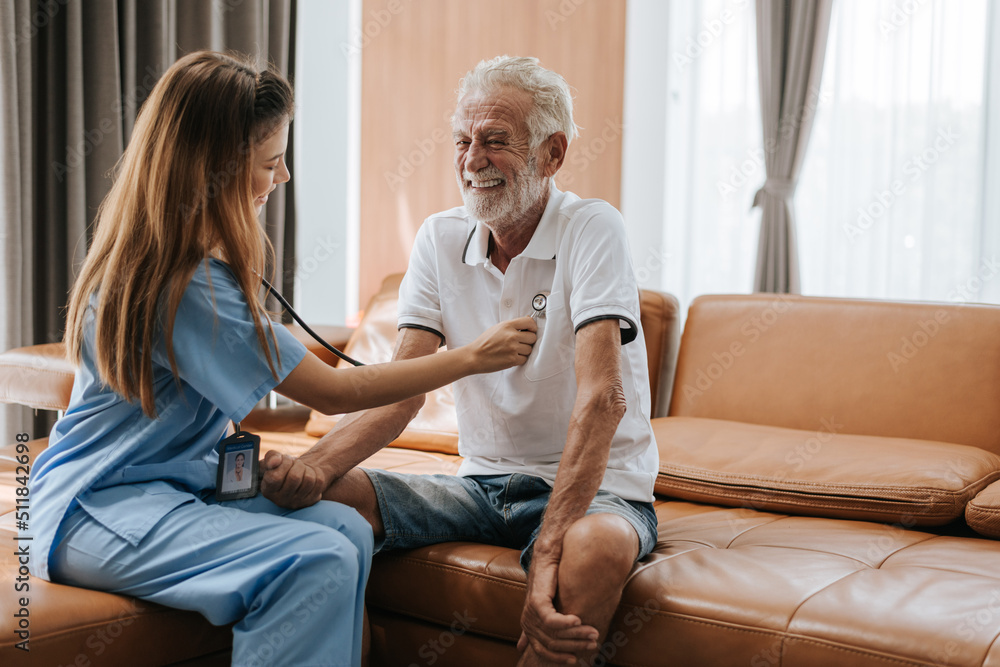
point(356, 489)
point(598, 553)
point(408, 511)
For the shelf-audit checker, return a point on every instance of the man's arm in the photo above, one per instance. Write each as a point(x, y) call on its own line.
point(599, 407)
point(300, 482)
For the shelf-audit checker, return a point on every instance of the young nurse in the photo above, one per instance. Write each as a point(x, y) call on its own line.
point(172, 343)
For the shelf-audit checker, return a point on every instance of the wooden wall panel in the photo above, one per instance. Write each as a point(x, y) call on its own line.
point(414, 53)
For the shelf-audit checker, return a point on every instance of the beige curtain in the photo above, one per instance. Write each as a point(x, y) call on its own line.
point(73, 74)
point(791, 43)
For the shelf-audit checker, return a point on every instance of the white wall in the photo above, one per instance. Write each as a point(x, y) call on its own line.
point(644, 138)
point(326, 161)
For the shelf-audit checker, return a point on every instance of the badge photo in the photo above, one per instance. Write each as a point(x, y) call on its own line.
point(237, 475)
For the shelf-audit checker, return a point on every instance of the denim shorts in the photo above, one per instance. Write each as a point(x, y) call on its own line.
point(504, 510)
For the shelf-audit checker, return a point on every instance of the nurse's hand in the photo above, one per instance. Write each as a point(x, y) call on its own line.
point(291, 482)
point(504, 345)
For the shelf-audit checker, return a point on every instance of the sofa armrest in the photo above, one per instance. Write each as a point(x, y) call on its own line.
point(37, 376)
point(661, 329)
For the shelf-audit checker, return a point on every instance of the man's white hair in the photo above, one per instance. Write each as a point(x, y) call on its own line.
point(553, 104)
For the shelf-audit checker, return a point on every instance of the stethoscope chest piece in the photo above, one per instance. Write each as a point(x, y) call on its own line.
point(538, 303)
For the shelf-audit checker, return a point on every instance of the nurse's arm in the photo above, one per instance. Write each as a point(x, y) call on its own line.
point(330, 390)
point(357, 436)
point(300, 482)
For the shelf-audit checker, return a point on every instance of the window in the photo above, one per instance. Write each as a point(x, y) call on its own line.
point(893, 200)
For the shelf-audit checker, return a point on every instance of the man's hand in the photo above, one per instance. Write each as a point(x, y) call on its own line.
point(291, 482)
point(552, 636)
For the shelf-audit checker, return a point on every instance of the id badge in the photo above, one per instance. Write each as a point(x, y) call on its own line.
point(238, 467)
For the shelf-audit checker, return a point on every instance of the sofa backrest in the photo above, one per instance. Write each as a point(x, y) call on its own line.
point(901, 369)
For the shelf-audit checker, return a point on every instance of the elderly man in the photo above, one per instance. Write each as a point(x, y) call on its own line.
point(567, 434)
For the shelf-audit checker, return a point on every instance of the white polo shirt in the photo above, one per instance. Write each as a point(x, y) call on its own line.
point(517, 420)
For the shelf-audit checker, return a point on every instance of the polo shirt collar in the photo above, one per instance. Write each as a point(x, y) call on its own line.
point(543, 242)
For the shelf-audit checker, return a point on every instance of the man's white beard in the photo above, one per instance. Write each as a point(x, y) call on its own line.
point(504, 208)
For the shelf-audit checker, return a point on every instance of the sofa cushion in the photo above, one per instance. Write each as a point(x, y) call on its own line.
point(735, 586)
point(983, 512)
point(822, 472)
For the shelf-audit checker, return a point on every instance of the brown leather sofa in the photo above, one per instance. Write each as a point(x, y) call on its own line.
point(827, 495)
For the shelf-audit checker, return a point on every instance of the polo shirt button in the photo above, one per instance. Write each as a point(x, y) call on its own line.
point(508, 303)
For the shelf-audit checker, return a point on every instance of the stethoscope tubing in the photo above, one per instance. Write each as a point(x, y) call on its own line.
point(295, 316)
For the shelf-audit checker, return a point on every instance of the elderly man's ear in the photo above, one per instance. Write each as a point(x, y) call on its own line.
point(553, 152)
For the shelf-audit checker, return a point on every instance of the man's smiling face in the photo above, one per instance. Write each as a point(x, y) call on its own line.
point(496, 167)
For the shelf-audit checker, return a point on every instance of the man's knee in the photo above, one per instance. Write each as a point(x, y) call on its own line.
point(355, 490)
point(600, 542)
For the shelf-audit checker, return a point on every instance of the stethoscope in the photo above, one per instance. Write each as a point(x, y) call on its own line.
point(538, 303)
point(295, 316)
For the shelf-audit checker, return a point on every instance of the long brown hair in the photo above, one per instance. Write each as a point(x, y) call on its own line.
point(182, 193)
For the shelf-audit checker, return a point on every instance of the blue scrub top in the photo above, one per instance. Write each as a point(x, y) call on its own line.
point(127, 470)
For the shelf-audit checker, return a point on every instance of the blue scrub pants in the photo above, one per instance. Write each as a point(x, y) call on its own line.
point(292, 581)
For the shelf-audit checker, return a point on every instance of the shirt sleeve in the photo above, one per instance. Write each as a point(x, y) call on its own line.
point(419, 298)
point(216, 346)
point(603, 281)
